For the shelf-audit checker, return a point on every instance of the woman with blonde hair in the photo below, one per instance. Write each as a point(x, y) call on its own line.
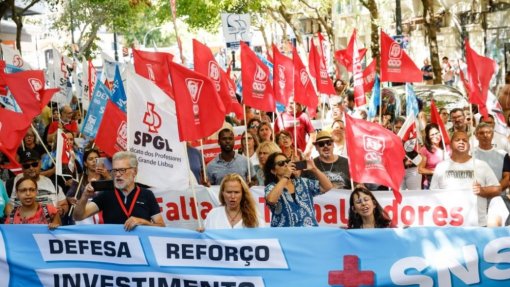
point(238, 208)
point(263, 152)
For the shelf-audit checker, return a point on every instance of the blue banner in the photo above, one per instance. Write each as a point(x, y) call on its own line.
point(411, 101)
point(95, 113)
point(106, 255)
point(375, 99)
point(118, 92)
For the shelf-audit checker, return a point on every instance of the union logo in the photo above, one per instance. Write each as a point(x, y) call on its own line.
point(36, 86)
point(151, 118)
point(121, 141)
point(303, 76)
point(194, 88)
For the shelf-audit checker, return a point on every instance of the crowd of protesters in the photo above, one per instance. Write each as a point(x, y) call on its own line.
point(283, 152)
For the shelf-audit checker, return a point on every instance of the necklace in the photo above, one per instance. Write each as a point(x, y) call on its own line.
point(232, 220)
point(322, 166)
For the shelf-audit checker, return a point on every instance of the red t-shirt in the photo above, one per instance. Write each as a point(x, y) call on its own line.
point(37, 218)
point(303, 127)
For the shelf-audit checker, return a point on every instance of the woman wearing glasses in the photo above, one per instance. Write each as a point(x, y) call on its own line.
point(238, 208)
point(365, 211)
point(290, 197)
point(30, 211)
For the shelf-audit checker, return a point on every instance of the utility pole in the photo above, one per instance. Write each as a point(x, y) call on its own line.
point(398, 17)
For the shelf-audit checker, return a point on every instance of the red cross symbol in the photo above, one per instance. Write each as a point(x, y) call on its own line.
point(351, 276)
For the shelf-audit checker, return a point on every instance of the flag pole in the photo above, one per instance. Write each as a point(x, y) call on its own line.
point(295, 131)
point(192, 184)
point(246, 147)
point(380, 103)
point(42, 143)
point(203, 160)
point(471, 140)
point(347, 154)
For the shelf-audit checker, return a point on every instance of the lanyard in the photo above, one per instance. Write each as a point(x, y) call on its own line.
point(128, 214)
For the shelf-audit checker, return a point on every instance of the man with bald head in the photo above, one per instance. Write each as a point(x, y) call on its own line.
point(461, 171)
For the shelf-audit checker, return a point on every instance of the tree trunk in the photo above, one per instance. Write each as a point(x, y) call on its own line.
point(431, 31)
point(374, 35)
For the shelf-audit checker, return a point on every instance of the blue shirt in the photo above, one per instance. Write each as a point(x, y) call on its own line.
point(218, 168)
point(298, 210)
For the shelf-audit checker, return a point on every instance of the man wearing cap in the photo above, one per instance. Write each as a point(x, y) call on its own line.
point(335, 167)
point(47, 193)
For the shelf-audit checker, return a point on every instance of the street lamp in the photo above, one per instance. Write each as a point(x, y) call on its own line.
point(147, 34)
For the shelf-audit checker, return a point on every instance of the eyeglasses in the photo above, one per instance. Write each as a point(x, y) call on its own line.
point(282, 162)
point(361, 200)
point(120, 171)
point(26, 190)
point(253, 126)
point(28, 165)
point(323, 143)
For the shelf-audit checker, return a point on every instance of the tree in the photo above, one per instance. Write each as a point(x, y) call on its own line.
point(431, 34)
point(18, 13)
point(88, 16)
point(374, 17)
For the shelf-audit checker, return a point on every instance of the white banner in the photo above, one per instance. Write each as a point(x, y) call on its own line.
point(437, 208)
point(152, 135)
point(13, 57)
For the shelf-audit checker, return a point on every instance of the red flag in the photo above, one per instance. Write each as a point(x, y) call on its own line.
point(205, 64)
point(27, 88)
point(319, 71)
point(92, 78)
point(369, 76)
point(283, 77)
point(199, 109)
point(436, 119)
point(112, 133)
point(357, 73)
point(396, 66)
point(154, 66)
point(257, 88)
point(13, 127)
point(480, 70)
point(345, 59)
point(304, 93)
point(375, 154)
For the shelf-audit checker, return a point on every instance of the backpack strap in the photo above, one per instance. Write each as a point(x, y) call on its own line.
point(11, 216)
point(46, 213)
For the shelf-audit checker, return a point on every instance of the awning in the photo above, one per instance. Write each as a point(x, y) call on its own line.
point(8, 32)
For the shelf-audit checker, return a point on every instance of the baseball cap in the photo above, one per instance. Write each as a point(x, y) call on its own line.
point(29, 155)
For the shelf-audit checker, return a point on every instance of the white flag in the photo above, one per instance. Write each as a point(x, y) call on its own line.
point(13, 57)
point(153, 135)
point(59, 76)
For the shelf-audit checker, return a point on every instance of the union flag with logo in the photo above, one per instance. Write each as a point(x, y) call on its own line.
point(396, 65)
point(154, 66)
point(151, 135)
point(375, 154)
point(112, 133)
point(257, 88)
point(13, 127)
point(200, 111)
point(205, 64)
point(304, 93)
point(319, 71)
point(357, 73)
point(283, 76)
point(27, 88)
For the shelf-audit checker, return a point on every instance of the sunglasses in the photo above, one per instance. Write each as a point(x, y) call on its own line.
point(282, 162)
point(28, 165)
point(323, 143)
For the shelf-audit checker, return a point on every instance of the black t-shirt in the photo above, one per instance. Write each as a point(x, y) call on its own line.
point(337, 172)
point(145, 207)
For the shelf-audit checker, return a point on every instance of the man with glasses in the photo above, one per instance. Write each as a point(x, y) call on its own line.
point(336, 168)
point(127, 204)
point(48, 194)
point(66, 122)
point(459, 122)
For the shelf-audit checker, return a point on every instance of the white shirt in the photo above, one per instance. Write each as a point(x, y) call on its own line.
point(217, 219)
